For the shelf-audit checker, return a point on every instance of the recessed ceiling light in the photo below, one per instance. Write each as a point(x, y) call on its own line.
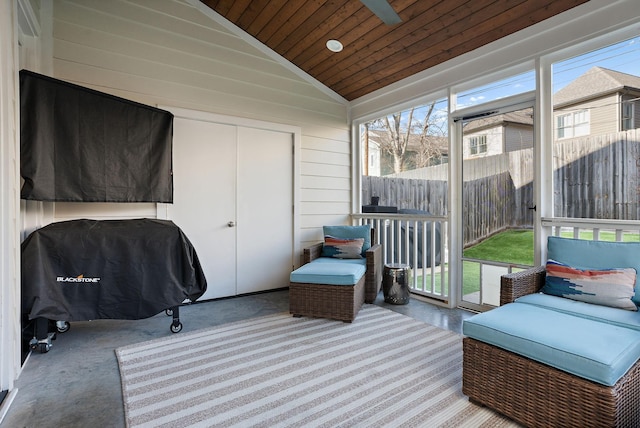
point(334, 45)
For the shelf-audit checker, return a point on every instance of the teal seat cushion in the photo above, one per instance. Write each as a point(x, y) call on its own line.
point(590, 349)
point(584, 254)
point(349, 232)
point(604, 314)
point(330, 271)
point(361, 261)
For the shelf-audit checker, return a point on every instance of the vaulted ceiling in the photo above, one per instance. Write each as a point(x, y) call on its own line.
point(376, 54)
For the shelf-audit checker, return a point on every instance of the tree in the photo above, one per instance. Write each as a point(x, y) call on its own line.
point(408, 133)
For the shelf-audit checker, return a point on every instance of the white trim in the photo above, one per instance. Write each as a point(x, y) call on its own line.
point(27, 19)
point(6, 404)
point(501, 105)
point(10, 337)
point(543, 156)
point(455, 205)
point(206, 10)
point(406, 105)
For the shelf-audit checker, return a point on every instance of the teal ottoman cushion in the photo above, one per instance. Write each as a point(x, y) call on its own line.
point(604, 314)
point(590, 349)
point(330, 271)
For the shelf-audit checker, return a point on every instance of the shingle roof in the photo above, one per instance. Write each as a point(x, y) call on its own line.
point(524, 117)
point(596, 81)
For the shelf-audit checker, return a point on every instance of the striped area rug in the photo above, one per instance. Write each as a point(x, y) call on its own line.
point(384, 369)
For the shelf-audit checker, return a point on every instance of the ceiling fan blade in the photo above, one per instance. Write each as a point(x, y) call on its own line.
point(383, 10)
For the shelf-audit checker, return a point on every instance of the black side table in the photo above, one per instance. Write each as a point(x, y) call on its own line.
point(395, 283)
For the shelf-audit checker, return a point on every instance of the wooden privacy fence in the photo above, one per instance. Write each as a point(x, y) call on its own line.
point(597, 177)
point(594, 177)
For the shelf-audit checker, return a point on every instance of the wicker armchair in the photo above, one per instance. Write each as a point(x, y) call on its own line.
point(337, 302)
point(537, 395)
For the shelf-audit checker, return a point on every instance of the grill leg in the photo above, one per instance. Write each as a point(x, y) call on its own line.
point(41, 340)
point(176, 325)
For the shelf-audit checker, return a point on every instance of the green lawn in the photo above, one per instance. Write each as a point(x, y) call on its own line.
point(512, 246)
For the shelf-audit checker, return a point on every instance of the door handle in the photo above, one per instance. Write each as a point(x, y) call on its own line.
point(231, 224)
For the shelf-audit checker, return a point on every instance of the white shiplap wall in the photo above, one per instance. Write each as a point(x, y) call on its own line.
point(167, 52)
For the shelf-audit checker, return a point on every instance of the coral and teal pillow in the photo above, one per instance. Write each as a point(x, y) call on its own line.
point(606, 287)
point(349, 232)
point(587, 254)
point(342, 248)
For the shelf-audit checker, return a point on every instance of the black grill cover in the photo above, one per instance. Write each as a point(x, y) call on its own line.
point(81, 145)
point(83, 270)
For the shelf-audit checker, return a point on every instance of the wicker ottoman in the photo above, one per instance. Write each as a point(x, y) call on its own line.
point(339, 302)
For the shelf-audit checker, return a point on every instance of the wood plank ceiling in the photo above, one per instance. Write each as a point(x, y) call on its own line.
point(375, 54)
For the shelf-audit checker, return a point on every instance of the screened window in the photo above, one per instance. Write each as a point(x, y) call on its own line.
point(510, 86)
point(595, 176)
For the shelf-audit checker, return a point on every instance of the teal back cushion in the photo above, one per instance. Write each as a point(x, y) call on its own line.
point(583, 254)
point(350, 232)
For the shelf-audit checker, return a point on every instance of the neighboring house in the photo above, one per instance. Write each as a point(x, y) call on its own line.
point(498, 134)
point(600, 101)
point(371, 154)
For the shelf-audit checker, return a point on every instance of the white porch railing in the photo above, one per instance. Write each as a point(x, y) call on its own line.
point(593, 229)
point(419, 241)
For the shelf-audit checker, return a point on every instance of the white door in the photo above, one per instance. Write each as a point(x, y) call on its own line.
point(204, 193)
point(265, 209)
point(233, 198)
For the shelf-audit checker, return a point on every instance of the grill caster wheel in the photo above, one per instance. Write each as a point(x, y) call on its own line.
point(40, 346)
point(176, 328)
point(62, 326)
point(169, 312)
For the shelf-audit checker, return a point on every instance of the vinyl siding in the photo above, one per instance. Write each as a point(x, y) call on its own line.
point(603, 114)
point(167, 52)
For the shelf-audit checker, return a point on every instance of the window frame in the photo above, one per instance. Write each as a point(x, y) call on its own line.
point(480, 146)
point(574, 125)
point(627, 120)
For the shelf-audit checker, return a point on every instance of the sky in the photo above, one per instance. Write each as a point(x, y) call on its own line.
point(623, 56)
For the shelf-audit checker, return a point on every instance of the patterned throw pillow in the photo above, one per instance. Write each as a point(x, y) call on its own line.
point(606, 287)
point(350, 232)
point(342, 248)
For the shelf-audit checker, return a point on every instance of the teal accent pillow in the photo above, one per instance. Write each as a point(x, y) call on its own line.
point(583, 254)
point(349, 232)
point(606, 287)
point(342, 248)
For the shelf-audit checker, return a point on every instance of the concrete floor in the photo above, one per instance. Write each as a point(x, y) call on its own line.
point(77, 383)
